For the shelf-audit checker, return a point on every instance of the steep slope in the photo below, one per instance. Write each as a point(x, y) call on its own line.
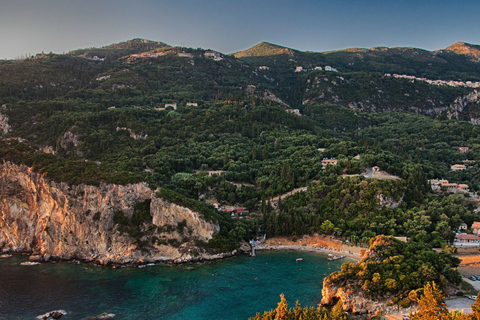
point(376, 92)
point(106, 224)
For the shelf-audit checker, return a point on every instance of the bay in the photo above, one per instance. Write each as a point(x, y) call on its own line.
point(231, 289)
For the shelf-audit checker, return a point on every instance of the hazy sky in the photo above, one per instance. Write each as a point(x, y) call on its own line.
point(33, 26)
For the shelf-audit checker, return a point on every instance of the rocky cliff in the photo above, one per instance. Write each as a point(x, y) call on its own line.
point(354, 300)
point(466, 108)
point(55, 220)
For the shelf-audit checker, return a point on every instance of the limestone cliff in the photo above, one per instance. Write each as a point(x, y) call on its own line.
point(466, 108)
point(354, 299)
point(55, 220)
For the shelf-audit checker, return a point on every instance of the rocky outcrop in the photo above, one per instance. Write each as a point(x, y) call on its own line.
point(55, 220)
point(356, 301)
point(457, 107)
point(4, 126)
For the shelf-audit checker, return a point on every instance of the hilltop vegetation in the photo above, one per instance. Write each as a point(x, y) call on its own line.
point(107, 121)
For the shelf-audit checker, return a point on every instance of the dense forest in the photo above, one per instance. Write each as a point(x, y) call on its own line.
point(203, 127)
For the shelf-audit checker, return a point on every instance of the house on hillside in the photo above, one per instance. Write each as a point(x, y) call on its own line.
point(216, 56)
point(463, 226)
point(463, 149)
point(329, 162)
point(263, 68)
point(215, 173)
point(294, 111)
point(329, 68)
point(357, 157)
point(299, 69)
point(476, 227)
point(458, 167)
point(192, 104)
point(466, 240)
point(321, 149)
point(450, 187)
point(173, 105)
point(318, 68)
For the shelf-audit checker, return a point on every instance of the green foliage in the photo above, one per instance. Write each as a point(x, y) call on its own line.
point(282, 312)
point(393, 268)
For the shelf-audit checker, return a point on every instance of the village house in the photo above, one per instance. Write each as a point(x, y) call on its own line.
point(463, 149)
point(327, 162)
point(469, 161)
point(476, 228)
point(328, 68)
point(450, 187)
point(192, 104)
point(110, 108)
point(215, 173)
point(294, 111)
point(466, 240)
point(173, 105)
point(216, 56)
point(463, 226)
point(357, 157)
point(458, 167)
point(321, 149)
point(299, 69)
point(263, 68)
point(318, 68)
point(159, 108)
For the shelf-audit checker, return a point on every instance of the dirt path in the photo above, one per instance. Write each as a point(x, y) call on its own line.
point(274, 201)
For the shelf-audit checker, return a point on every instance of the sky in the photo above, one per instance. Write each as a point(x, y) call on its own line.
point(32, 26)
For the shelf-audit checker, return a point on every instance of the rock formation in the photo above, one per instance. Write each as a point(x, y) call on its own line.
point(55, 220)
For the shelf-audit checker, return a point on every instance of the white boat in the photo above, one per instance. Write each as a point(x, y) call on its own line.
point(29, 263)
point(5, 255)
point(299, 259)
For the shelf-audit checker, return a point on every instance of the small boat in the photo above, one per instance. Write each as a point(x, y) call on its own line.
point(29, 263)
point(5, 255)
point(331, 257)
point(299, 260)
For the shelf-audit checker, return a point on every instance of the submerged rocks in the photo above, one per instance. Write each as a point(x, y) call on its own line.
point(101, 316)
point(55, 314)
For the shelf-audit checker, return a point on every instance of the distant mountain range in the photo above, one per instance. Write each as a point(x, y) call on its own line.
point(357, 78)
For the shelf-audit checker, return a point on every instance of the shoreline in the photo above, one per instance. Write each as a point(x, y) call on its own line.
point(321, 250)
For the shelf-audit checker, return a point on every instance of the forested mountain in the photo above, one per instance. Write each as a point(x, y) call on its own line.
point(145, 111)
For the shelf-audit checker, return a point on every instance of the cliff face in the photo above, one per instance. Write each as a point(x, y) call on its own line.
point(466, 108)
point(356, 301)
point(55, 220)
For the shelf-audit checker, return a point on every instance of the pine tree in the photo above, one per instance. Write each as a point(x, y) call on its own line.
point(337, 311)
point(282, 309)
point(430, 305)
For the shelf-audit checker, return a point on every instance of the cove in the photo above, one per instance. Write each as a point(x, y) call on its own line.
point(231, 289)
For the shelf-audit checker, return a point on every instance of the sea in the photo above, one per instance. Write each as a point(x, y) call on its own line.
point(232, 289)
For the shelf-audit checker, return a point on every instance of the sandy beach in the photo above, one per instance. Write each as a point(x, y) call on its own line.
point(320, 250)
point(315, 243)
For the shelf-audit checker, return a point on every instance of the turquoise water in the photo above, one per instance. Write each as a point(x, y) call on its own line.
point(232, 289)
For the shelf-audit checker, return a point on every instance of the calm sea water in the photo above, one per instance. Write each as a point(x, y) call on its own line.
point(232, 289)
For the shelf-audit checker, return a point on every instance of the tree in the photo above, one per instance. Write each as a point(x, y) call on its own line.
point(282, 309)
point(430, 305)
point(337, 312)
